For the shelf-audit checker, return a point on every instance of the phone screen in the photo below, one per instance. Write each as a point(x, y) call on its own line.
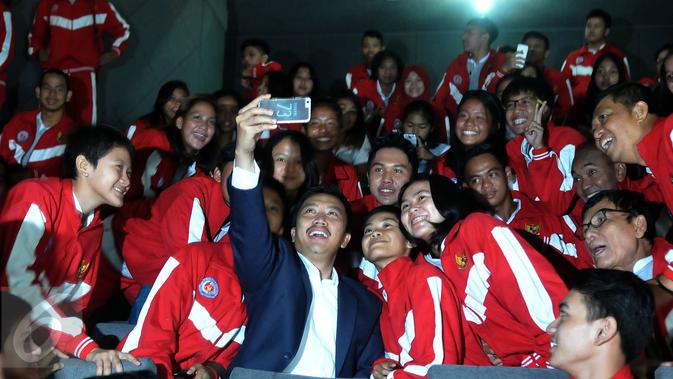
point(289, 110)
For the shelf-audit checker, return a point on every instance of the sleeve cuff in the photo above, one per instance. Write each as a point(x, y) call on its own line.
point(84, 346)
point(243, 179)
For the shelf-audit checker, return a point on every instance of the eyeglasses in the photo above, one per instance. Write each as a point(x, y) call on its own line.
point(524, 102)
point(599, 218)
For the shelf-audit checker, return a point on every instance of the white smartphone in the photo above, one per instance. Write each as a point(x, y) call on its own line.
point(289, 110)
point(411, 137)
point(521, 53)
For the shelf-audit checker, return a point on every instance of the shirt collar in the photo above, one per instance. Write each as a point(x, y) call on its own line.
point(86, 219)
point(594, 51)
point(517, 202)
point(314, 273)
point(643, 268)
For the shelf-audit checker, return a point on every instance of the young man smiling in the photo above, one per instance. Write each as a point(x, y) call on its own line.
point(293, 292)
point(627, 132)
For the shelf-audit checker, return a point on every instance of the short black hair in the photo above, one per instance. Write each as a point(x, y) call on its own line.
point(371, 33)
point(481, 149)
point(93, 143)
point(629, 201)
point(599, 13)
point(383, 209)
point(394, 141)
point(487, 26)
point(381, 56)
point(623, 296)
point(228, 92)
point(537, 86)
point(55, 71)
point(258, 44)
point(627, 94)
point(219, 160)
point(322, 190)
point(538, 35)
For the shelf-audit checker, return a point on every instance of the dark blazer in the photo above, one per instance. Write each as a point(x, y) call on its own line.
point(278, 296)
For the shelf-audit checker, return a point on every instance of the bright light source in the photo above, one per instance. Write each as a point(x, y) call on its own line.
point(483, 6)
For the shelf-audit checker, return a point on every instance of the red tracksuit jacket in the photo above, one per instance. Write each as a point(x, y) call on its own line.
point(563, 90)
point(579, 65)
point(6, 47)
point(456, 80)
point(192, 210)
point(544, 174)
point(194, 313)
point(345, 176)
point(533, 218)
point(367, 91)
point(421, 322)
point(656, 149)
point(72, 36)
point(356, 74)
point(509, 292)
point(49, 259)
point(19, 134)
point(153, 164)
point(135, 129)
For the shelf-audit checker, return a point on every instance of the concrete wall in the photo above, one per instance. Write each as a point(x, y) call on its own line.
point(170, 39)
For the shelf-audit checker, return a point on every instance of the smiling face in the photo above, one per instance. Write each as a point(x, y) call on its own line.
point(572, 334)
point(520, 111)
point(473, 123)
point(320, 229)
point(110, 179)
point(419, 213)
point(227, 109)
point(614, 244)
point(383, 241)
point(486, 175)
point(302, 83)
point(197, 127)
point(173, 103)
point(593, 172)
point(607, 74)
point(616, 131)
point(413, 85)
point(287, 164)
point(389, 171)
point(53, 93)
point(323, 128)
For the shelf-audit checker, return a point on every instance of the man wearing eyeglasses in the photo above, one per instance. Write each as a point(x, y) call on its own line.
point(541, 154)
point(619, 232)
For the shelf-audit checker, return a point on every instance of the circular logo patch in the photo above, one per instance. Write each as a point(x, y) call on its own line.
point(22, 136)
point(209, 288)
point(457, 79)
point(579, 60)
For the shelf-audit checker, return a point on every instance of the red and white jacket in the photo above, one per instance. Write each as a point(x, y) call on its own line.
point(73, 32)
point(544, 174)
point(456, 79)
point(192, 210)
point(154, 164)
point(135, 128)
point(371, 96)
point(356, 74)
point(50, 259)
point(6, 42)
point(656, 149)
point(421, 321)
point(45, 158)
point(345, 176)
point(531, 217)
point(509, 292)
point(194, 312)
point(579, 65)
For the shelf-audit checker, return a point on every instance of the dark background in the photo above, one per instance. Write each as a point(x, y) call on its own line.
point(198, 40)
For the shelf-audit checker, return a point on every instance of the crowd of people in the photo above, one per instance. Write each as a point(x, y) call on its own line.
point(518, 216)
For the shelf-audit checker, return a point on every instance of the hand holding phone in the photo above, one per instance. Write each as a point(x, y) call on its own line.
point(289, 110)
point(521, 54)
